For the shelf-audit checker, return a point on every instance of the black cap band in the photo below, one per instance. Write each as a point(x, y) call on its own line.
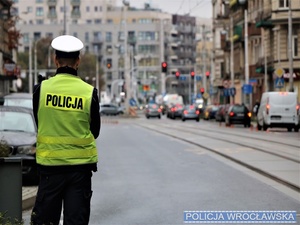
point(61, 54)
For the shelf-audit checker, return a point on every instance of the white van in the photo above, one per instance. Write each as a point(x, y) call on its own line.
point(278, 109)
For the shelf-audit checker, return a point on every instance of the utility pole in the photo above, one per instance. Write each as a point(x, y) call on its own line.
point(30, 68)
point(204, 58)
point(126, 66)
point(291, 72)
point(231, 56)
point(248, 97)
point(162, 57)
point(65, 19)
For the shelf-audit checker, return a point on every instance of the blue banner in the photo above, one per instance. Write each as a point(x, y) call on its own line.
point(239, 217)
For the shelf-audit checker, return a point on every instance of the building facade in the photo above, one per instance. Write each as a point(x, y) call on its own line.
point(152, 37)
point(267, 49)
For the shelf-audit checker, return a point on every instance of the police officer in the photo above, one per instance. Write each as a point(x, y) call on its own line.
point(66, 111)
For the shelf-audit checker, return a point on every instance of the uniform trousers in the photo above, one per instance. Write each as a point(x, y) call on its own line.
point(70, 190)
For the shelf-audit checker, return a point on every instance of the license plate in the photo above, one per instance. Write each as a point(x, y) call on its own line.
point(240, 114)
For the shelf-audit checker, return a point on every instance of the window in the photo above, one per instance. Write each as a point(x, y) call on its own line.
point(96, 9)
point(295, 47)
point(108, 37)
point(89, 21)
point(75, 34)
point(86, 37)
point(39, 11)
point(97, 36)
point(283, 3)
point(98, 21)
point(109, 21)
point(39, 1)
point(87, 9)
point(148, 36)
point(25, 38)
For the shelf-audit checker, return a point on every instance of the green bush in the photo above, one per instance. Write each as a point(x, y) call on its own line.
point(4, 220)
point(4, 148)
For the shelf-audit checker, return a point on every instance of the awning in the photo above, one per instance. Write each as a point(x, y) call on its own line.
point(238, 33)
point(264, 23)
point(261, 69)
point(233, 2)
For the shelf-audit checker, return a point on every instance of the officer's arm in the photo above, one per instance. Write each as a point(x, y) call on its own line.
point(35, 101)
point(95, 115)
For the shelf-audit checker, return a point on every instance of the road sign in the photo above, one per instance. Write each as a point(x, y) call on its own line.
point(198, 78)
point(247, 88)
point(205, 95)
point(279, 72)
point(182, 78)
point(279, 82)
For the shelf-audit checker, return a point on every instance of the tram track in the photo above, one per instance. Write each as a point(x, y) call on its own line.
point(229, 157)
point(243, 145)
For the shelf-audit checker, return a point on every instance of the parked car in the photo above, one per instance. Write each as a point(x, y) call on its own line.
point(190, 112)
point(238, 114)
point(278, 109)
point(109, 109)
point(152, 110)
point(175, 111)
point(210, 112)
point(18, 131)
point(18, 99)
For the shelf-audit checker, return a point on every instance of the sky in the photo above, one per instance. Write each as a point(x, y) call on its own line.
point(198, 8)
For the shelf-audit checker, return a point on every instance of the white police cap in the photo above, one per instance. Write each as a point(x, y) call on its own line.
point(67, 43)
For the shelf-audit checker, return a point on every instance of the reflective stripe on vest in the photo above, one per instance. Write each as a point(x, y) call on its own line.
point(65, 140)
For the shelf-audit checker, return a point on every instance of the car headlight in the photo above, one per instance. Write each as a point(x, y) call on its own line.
point(26, 149)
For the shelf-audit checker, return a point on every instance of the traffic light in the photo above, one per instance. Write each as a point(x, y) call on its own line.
point(177, 74)
point(192, 74)
point(202, 90)
point(207, 73)
point(164, 67)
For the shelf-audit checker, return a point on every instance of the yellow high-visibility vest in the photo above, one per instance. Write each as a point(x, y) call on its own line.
point(64, 136)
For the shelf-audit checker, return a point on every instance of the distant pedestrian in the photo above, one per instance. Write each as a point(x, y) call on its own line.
point(66, 111)
point(256, 107)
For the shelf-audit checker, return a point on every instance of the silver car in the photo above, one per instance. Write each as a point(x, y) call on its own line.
point(109, 109)
point(152, 110)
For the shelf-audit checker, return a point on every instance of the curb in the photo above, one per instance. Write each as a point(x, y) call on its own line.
point(28, 197)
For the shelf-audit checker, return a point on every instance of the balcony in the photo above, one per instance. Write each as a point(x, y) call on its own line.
point(97, 40)
point(253, 30)
point(75, 14)
point(51, 2)
point(131, 40)
point(52, 15)
point(75, 2)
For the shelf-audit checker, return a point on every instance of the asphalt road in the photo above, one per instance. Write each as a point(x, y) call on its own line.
point(148, 178)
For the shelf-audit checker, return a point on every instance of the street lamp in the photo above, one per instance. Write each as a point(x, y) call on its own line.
point(127, 76)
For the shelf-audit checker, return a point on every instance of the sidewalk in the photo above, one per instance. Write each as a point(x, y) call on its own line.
point(28, 197)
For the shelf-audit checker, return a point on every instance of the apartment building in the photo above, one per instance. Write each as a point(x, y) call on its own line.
point(102, 26)
point(268, 45)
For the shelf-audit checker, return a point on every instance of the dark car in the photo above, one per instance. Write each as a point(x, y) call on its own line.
point(109, 109)
point(18, 99)
point(175, 111)
point(18, 132)
point(190, 112)
point(238, 114)
point(152, 110)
